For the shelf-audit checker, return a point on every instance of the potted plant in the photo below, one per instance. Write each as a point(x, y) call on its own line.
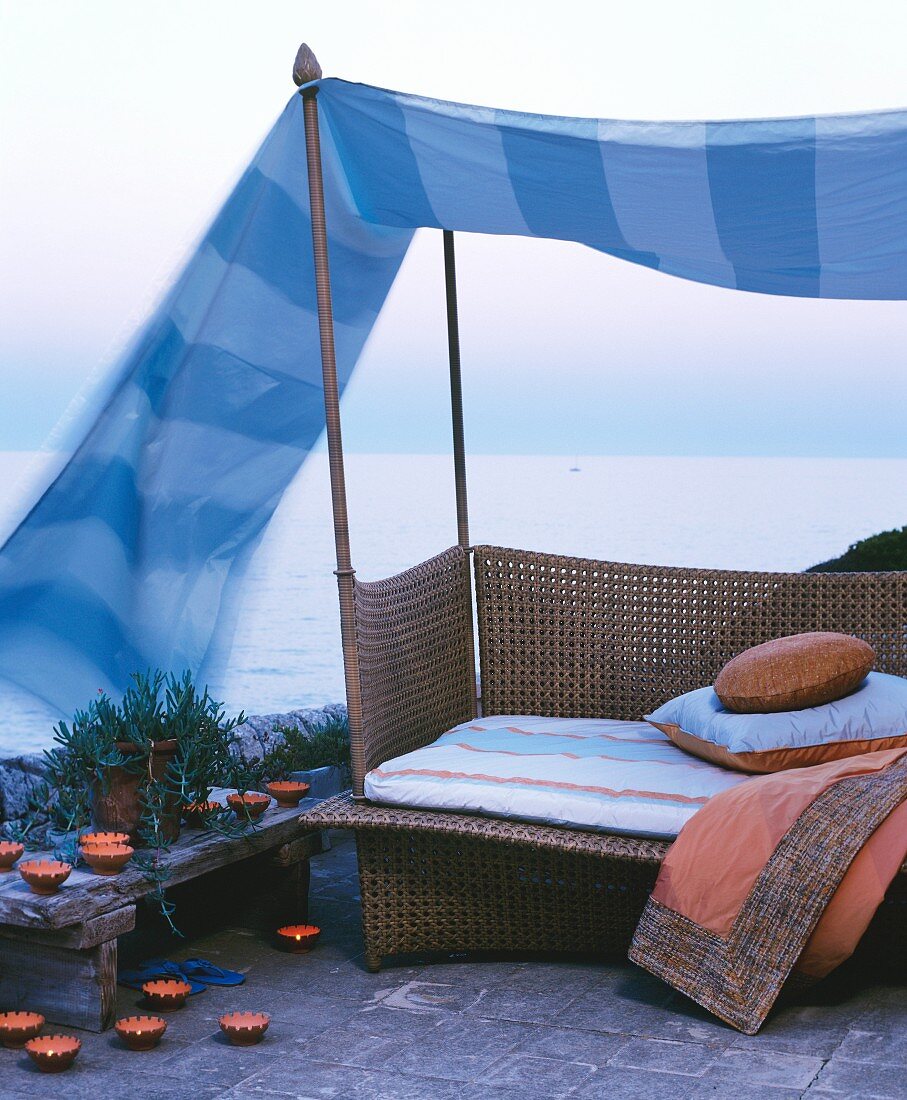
point(132, 766)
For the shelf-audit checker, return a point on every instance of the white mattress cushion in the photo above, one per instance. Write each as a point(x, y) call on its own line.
point(590, 773)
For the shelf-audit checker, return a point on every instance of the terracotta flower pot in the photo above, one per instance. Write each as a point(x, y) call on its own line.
point(92, 839)
point(141, 1032)
point(287, 792)
point(45, 876)
point(106, 859)
point(197, 814)
point(166, 994)
point(250, 805)
point(53, 1053)
point(244, 1029)
point(16, 1028)
point(116, 805)
point(298, 938)
point(10, 851)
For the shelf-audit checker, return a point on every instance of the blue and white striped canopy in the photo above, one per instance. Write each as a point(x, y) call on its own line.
point(810, 207)
point(132, 556)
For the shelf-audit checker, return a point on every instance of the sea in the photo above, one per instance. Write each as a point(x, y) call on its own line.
point(746, 513)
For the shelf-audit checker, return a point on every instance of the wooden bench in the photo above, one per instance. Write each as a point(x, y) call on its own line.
point(58, 954)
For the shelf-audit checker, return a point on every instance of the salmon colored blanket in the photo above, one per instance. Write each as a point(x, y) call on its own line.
point(778, 874)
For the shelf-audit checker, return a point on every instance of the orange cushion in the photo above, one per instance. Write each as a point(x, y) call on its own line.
point(805, 670)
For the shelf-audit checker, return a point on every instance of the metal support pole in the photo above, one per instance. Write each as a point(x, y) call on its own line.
point(456, 414)
point(306, 69)
point(456, 389)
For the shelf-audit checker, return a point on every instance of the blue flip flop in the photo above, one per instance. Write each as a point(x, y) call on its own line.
point(157, 968)
point(208, 972)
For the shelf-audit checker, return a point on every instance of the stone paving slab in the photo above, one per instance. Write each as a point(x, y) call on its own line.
point(478, 1029)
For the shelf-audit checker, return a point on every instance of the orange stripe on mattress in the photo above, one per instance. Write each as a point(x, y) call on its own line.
point(511, 752)
point(583, 736)
point(548, 783)
point(695, 764)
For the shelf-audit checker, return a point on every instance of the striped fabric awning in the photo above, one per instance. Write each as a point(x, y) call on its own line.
point(131, 556)
point(811, 207)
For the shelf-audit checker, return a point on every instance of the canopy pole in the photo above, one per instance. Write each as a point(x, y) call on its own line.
point(456, 414)
point(305, 70)
point(456, 389)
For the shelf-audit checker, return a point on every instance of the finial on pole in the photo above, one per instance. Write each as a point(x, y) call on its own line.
point(305, 67)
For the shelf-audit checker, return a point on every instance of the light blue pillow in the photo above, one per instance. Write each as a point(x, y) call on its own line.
point(873, 717)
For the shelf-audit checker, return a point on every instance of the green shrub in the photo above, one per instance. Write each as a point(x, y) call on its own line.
point(321, 744)
point(878, 553)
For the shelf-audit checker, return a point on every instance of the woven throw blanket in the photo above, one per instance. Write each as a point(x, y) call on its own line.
point(779, 874)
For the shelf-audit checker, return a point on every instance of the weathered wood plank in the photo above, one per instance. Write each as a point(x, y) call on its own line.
point(304, 847)
point(71, 987)
point(86, 895)
point(97, 930)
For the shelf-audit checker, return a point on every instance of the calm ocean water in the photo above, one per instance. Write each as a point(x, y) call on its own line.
point(748, 513)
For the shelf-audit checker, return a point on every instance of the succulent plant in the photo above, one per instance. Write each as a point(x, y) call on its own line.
point(155, 708)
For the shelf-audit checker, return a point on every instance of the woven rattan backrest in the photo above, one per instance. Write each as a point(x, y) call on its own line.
point(565, 636)
point(416, 656)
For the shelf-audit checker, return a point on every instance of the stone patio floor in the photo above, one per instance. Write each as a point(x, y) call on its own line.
point(473, 1029)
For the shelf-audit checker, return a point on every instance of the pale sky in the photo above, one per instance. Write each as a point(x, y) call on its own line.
point(123, 127)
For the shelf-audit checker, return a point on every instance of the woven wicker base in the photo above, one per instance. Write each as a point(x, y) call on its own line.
point(452, 882)
point(456, 882)
point(429, 892)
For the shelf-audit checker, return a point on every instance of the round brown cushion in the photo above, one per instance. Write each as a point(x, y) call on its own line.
point(805, 670)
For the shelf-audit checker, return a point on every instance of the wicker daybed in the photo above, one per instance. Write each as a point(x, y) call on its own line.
point(557, 637)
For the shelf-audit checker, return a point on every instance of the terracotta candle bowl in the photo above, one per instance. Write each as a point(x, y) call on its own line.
point(166, 994)
point(250, 805)
point(141, 1032)
point(244, 1029)
point(16, 1028)
point(298, 938)
point(103, 838)
point(106, 859)
point(287, 792)
point(10, 851)
point(197, 814)
point(44, 876)
point(53, 1053)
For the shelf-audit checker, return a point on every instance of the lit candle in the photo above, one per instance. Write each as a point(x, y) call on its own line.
point(244, 1029)
point(298, 938)
point(16, 1028)
point(166, 994)
point(53, 1053)
point(141, 1032)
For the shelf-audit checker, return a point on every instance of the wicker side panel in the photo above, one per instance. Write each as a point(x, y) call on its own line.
point(345, 812)
point(569, 637)
point(436, 892)
point(416, 656)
